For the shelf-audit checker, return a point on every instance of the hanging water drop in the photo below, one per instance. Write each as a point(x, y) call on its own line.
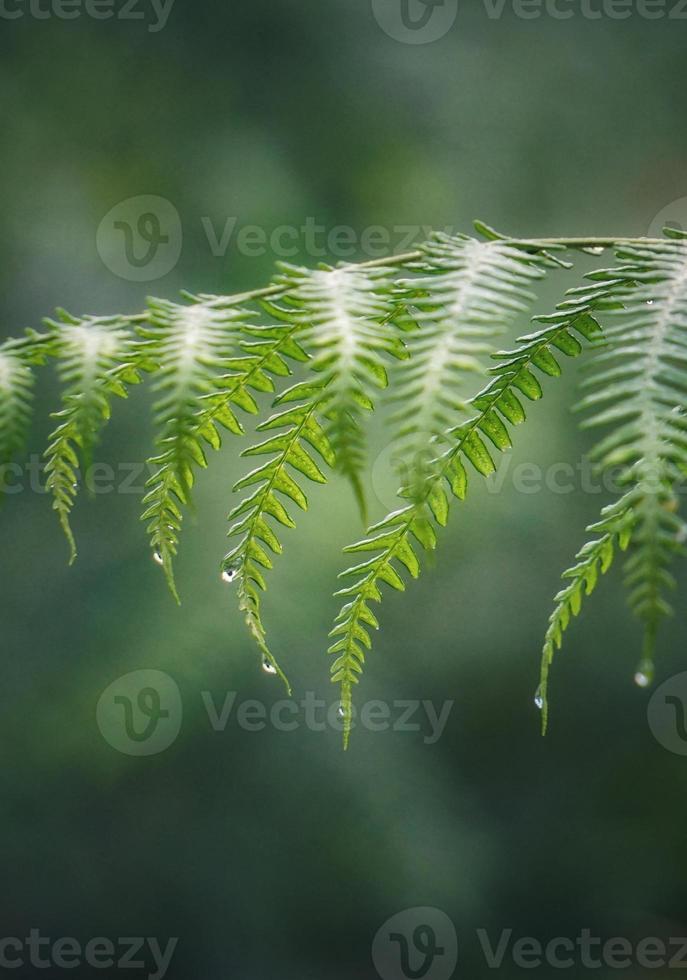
point(341, 711)
point(268, 666)
point(596, 250)
point(229, 574)
point(649, 302)
point(645, 674)
point(157, 557)
point(539, 700)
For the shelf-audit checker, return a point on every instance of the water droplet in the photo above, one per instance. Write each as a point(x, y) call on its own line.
point(649, 302)
point(645, 674)
point(341, 712)
point(596, 250)
point(539, 699)
point(157, 557)
point(268, 666)
point(229, 574)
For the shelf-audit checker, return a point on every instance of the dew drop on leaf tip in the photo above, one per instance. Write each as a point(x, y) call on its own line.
point(268, 666)
point(157, 558)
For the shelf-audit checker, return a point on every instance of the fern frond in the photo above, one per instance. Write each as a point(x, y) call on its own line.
point(17, 358)
point(298, 430)
point(346, 318)
point(497, 406)
point(466, 292)
point(16, 400)
point(193, 346)
point(596, 556)
point(93, 367)
point(637, 388)
point(263, 357)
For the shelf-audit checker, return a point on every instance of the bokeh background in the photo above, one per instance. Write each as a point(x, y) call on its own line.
point(273, 854)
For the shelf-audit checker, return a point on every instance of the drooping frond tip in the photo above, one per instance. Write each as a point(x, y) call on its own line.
point(636, 391)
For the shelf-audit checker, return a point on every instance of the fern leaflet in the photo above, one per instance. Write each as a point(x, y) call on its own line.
point(246, 562)
point(345, 314)
point(193, 346)
point(392, 538)
point(637, 388)
point(93, 366)
point(466, 293)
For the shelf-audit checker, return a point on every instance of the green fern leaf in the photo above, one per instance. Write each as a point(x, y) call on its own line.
point(345, 315)
point(596, 556)
point(393, 541)
point(16, 399)
point(17, 357)
point(637, 389)
point(193, 346)
point(294, 432)
point(93, 366)
point(466, 292)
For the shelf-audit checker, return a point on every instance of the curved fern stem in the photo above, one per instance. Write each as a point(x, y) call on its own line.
point(347, 323)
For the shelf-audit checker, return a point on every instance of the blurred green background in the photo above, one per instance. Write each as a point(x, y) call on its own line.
point(273, 854)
